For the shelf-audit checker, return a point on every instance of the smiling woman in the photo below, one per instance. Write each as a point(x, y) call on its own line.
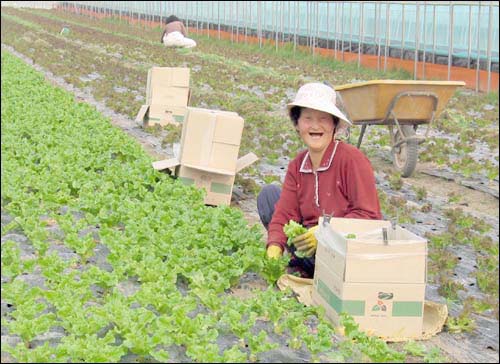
point(329, 177)
point(316, 129)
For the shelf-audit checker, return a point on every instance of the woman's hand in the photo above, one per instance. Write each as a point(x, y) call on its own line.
point(274, 251)
point(306, 243)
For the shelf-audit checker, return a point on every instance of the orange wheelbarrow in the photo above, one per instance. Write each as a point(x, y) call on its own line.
point(402, 106)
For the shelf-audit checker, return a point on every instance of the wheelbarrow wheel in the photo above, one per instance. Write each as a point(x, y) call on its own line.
point(405, 155)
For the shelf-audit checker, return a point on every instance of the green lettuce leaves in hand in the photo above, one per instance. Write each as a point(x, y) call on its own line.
point(293, 229)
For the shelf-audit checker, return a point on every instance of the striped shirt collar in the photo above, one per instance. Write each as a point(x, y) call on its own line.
point(326, 161)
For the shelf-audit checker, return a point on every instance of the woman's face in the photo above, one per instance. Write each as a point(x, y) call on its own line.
point(315, 128)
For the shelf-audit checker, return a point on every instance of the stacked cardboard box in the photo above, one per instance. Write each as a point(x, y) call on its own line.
point(210, 144)
point(379, 280)
point(167, 96)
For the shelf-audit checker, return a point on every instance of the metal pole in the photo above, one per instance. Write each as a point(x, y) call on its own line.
point(197, 17)
point(259, 23)
point(387, 33)
point(208, 18)
point(142, 16)
point(350, 27)
point(250, 17)
point(231, 20)
point(275, 21)
point(282, 21)
point(155, 12)
point(289, 29)
point(417, 40)
point(316, 38)
point(377, 32)
point(469, 33)
point(152, 14)
point(187, 15)
point(328, 25)
point(434, 34)
point(237, 22)
point(361, 31)
point(403, 33)
point(450, 45)
point(245, 20)
point(425, 40)
point(136, 11)
point(314, 16)
point(478, 46)
point(308, 12)
point(279, 23)
point(139, 16)
point(342, 30)
point(154, 7)
point(490, 36)
point(335, 30)
point(296, 26)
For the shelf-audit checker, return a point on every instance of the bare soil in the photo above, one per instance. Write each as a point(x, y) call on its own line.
point(471, 201)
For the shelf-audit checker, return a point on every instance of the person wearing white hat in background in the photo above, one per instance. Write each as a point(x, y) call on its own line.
point(330, 176)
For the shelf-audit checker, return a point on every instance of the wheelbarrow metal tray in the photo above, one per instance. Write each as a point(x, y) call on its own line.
point(370, 101)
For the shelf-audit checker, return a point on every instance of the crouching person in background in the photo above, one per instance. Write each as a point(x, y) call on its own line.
point(175, 34)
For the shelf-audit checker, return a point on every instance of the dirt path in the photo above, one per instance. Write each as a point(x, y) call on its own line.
point(470, 200)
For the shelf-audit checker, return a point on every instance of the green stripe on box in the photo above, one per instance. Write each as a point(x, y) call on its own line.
point(352, 307)
point(329, 296)
point(220, 188)
point(407, 308)
point(179, 118)
point(187, 181)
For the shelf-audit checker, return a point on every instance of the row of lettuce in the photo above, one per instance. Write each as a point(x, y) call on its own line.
point(65, 166)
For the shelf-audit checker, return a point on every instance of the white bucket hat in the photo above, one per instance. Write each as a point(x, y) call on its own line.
point(319, 96)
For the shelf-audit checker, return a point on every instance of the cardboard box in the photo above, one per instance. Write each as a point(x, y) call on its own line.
point(168, 84)
point(167, 96)
point(219, 187)
point(366, 259)
point(210, 142)
point(389, 310)
point(380, 282)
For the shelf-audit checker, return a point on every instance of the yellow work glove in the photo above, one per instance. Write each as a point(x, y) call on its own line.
point(306, 243)
point(274, 252)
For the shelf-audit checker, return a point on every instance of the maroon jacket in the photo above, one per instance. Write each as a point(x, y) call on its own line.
point(343, 185)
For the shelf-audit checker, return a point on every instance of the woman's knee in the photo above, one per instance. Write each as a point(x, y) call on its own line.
point(266, 200)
